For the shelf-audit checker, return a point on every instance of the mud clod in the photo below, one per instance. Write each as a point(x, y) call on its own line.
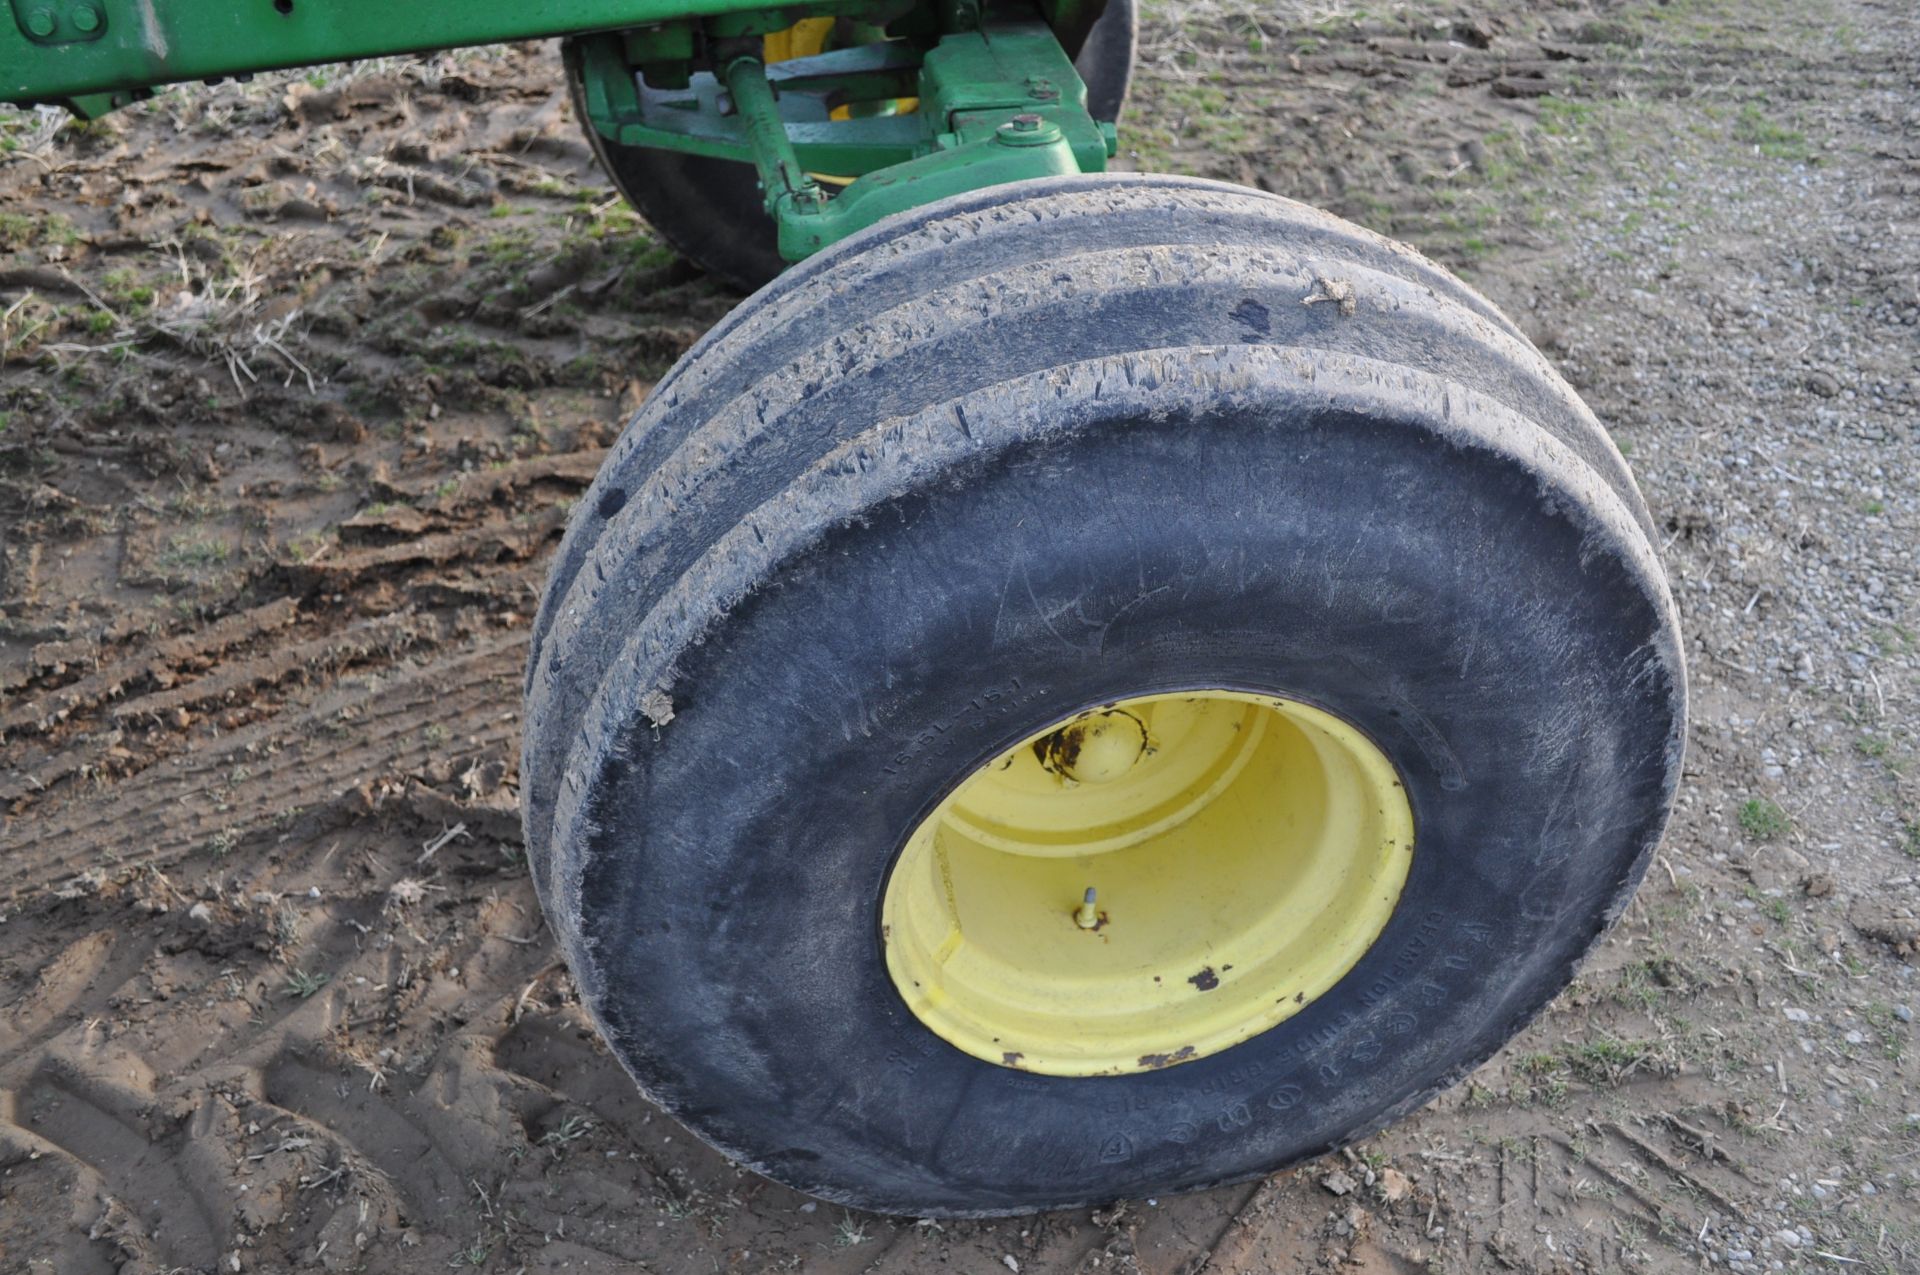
point(1338, 291)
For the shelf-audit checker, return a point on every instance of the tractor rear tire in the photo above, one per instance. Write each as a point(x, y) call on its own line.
point(963, 488)
point(709, 210)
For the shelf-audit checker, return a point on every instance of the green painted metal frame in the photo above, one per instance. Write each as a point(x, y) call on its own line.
point(998, 97)
point(62, 50)
point(136, 44)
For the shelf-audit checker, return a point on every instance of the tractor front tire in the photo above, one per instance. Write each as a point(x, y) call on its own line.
point(1146, 534)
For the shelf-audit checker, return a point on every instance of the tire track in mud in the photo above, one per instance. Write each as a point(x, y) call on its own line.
point(465, 547)
point(294, 762)
point(464, 1144)
point(327, 955)
point(1612, 1175)
point(1419, 128)
point(155, 665)
point(382, 639)
point(565, 1060)
point(382, 1131)
point(59, 1209)
point(98, 1126)
point(75, 982)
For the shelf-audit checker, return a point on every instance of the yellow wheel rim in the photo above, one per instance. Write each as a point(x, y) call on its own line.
point(1243, 852)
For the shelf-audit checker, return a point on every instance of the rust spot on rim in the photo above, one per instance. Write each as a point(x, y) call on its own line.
point(1206, 980)
point(1059, 751)
point(1156, 1061)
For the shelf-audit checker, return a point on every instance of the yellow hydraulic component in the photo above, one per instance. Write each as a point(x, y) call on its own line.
point(801, 40)
point(804, 39)
point(1149, 883)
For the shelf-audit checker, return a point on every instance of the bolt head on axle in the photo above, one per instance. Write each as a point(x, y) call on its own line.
point(1027, 129)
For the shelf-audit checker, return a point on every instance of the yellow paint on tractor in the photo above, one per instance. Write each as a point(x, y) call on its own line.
point(801, 40)
point(1149, 883)
point(814, 35)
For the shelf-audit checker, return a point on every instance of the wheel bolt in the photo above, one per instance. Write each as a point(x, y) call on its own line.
point(42, 23)
point(1087, 917)
point(1027, 129)
point(86, 19)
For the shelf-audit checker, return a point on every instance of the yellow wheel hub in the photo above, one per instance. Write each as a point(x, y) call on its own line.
point(1149, 883)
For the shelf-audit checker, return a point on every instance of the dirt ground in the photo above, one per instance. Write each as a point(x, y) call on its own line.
point(299, 376)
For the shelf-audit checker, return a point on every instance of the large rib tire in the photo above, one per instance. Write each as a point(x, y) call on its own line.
point(1011, 457)
point(710, 210)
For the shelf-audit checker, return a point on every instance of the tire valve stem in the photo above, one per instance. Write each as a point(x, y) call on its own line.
point(1087, 917)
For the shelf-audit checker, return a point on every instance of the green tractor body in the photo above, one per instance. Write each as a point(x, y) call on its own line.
point(995, 93)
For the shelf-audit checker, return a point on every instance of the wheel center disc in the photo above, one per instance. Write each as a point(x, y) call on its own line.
point(1151, 882)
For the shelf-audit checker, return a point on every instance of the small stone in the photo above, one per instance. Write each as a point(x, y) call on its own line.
point(200, 912)
point(1823, 384)
point(1788, 1237)
point(1012, 1263)
point(1903, 1013)
point(1797, 1015)
point(1337, 1183)
point(1854, 1038)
